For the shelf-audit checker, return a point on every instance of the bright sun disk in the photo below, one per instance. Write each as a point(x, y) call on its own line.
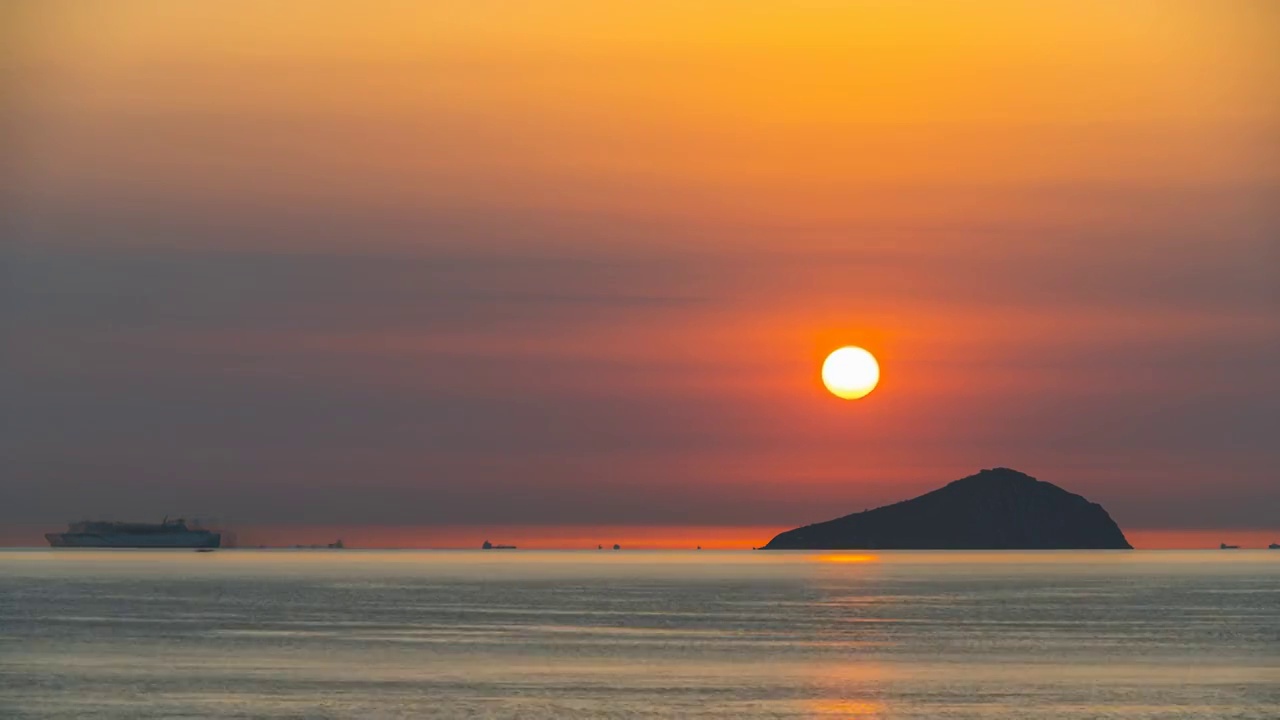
point(850, 373)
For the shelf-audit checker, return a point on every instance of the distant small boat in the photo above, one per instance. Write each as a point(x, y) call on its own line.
point(616, 546)
point(335, 545)
point(204, 549)
point(490, 546)
point(1274, 546)
point(1224, 546)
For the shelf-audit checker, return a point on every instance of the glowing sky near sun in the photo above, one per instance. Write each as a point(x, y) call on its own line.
point(579, 262)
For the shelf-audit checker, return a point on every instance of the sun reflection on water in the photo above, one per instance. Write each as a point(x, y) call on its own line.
point(852, 709)
point(848, 558)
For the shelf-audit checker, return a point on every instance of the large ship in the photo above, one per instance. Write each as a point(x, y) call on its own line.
point(166, 534)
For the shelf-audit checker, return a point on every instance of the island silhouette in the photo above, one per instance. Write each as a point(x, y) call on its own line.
point(996, 509)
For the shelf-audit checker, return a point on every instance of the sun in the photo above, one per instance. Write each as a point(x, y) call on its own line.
point(850, 373)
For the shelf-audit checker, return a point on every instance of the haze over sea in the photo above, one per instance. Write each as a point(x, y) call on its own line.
point(392, 634)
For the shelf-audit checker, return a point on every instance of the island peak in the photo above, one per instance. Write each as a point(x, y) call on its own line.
point(994, 509)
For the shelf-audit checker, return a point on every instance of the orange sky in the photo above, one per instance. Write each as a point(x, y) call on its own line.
point(587, 537)
point(577, 537)
point(499, 263)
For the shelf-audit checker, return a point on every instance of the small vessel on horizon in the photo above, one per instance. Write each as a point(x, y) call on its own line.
point(335, 545)
point(1274, 546)
point(165, 534)
point(490, 546)
point(1224, 546)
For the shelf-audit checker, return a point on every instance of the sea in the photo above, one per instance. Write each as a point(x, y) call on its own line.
point(369, 634)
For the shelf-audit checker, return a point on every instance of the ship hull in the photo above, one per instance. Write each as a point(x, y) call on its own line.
point(149, 540)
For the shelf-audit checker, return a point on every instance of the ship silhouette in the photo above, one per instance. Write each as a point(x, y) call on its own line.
point(165, 534)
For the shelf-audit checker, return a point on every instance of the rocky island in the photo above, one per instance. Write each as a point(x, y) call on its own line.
point(998, 509)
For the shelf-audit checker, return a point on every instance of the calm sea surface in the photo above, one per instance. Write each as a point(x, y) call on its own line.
point(407, 634)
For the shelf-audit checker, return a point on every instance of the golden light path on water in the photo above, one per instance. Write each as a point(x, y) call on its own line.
point(714, 634)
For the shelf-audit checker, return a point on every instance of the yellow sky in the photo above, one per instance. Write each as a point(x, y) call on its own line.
point(674, 109)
